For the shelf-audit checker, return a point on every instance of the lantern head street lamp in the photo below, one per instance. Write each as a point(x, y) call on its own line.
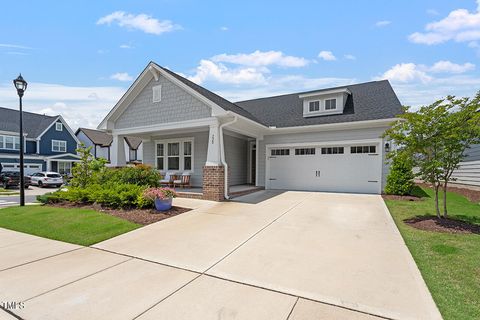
point(21, 86)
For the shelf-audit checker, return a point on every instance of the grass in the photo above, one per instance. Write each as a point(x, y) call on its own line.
point(79, 226)
point(449, 263)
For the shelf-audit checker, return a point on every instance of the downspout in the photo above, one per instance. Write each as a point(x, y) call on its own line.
point(222, 156)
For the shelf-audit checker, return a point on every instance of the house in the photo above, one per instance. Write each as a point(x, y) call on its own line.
point(50, 144)
point(326, 140)
point(101, 142)
point(468, 171)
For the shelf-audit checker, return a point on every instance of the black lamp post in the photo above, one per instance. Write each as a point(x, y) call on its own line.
point(21, 86)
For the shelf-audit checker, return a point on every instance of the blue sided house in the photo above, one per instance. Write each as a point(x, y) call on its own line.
point(50, 143)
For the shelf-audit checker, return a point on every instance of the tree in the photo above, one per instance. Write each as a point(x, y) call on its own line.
point(86, 170)
point(435, 137)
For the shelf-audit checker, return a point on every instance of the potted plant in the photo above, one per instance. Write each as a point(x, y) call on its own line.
point(162, 197)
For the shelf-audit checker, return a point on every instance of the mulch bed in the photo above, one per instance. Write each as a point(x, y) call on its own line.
point(405, 198)
point(472, 195)
point(435, 224)
point(140, 216)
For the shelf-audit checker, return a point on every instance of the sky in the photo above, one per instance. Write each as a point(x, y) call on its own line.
point(79, 57)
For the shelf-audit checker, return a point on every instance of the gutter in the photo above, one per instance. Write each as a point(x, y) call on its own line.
point(222, 156)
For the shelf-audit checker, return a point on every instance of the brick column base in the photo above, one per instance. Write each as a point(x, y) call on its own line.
point(213, 183)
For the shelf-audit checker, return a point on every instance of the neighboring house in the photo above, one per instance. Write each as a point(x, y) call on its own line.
point(101, 141)
point(50, 144)
point(468, 172)
point(325, 140)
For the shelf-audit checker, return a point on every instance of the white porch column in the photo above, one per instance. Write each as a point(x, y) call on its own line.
point(213, 151)
point(117, 151)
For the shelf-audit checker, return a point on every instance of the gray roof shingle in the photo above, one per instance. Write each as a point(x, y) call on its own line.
point(33, 124)
point(97, 137)
point(368, 101)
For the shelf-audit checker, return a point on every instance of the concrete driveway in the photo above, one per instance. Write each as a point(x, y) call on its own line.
point(270, 255)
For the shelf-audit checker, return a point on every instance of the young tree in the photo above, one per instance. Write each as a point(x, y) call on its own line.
point(436, 137)
point(85, 171)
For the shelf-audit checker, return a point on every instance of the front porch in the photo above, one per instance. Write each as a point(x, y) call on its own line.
point(221, 162)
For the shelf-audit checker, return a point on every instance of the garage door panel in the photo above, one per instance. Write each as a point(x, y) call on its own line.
point(326, 172)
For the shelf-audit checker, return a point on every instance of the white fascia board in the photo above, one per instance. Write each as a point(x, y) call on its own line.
point(325, 143)
point(63, 155)
point(166, 126)
point(335, 126)
point(13, 133)
point(16, 156)
point(324, 92)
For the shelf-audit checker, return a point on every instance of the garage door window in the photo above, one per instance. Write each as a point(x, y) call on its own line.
point(280, 152)
point(333, 150)
point(363, 149)
point(304, 151)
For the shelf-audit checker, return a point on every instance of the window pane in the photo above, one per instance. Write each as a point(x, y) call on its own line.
point(160, 149)
point(187, 148)
point(174, 149)
point(314, 106)
point(160, 163)
point(173, 163)
point(187, 163)
point(372, 149)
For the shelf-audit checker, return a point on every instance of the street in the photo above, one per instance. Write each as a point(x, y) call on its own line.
point(30, 196)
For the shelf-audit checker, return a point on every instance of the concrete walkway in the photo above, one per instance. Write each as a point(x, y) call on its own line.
point(269, 255)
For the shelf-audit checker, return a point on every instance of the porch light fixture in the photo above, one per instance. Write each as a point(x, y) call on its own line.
point(387, 147)
point(21, 86)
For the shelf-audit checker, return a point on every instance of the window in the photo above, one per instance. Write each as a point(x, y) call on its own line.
point(175, 154)
point(363, 149)
point(64, 168)
point(160, 156)
point(280, 152)
point(59, 126)
point(187, 155)
point(333, 150)
point(314, 106)
point(304, 151)
point(132, 155)
point(157, 93)
point(10, 142)
point(59, 146)
point(330, 104)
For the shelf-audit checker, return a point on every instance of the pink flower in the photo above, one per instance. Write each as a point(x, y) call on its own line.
point(159, 193)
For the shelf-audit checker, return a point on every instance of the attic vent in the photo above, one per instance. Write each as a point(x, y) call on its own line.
point(157, 93)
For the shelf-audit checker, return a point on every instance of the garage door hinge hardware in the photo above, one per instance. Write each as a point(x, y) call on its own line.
point(272, 179)
point(372, 181)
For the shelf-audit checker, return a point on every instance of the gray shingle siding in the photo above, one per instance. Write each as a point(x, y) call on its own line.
point(236, 157)
point(175, 105)
point(368, 101)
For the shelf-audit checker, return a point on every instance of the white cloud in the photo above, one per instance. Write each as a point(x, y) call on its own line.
point(261, 58)
point(382, 23)
point(350, 57)
point(209, 70)
point(142, 22)
point(405, 72)
point(460, 25)
point(80, 106)
point(224, 28)
point(13, 46)
point(327, 55)
point(432, 12)
point(121, 76)
point(126, 46)
point(444, 66)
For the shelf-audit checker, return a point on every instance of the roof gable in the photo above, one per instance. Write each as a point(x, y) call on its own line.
point(97, 137)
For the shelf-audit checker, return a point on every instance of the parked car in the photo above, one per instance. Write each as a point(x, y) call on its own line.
point(12, 179)
point(45, 179)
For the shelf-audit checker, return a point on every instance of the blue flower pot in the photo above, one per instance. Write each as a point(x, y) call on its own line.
point(163, 205)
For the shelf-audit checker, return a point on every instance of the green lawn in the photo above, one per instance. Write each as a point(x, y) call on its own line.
point(449, 263)
point(79, 226)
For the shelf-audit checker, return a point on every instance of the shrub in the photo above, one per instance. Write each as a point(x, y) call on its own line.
point(400, 178)
point(86, 171)
point(141, 175)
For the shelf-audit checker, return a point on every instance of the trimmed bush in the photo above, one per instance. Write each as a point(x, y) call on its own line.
point(141, 175)
point(400, 179)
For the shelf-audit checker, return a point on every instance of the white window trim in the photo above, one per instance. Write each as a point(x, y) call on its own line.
point(319, 106)
point(3, 146)
point(325, 104)
point(57, 127)
point(59, 141)
point(65, 164)
point(181, 151)
point(158, 96)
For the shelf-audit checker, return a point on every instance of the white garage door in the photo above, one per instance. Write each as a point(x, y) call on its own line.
point(28, 168)
point(337, 168)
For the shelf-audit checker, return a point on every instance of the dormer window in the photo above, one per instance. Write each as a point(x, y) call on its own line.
point(314, 106)
point(330, 104)
point(324, 102)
